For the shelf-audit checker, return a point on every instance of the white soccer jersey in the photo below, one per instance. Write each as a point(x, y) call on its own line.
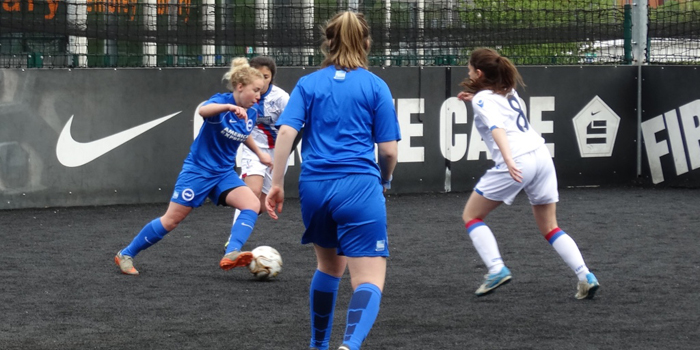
point(506, 112)
point(273, 103)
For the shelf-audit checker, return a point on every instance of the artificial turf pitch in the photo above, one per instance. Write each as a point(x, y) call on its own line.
point(60, 289)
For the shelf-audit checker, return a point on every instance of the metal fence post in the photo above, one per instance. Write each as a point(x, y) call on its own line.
point(640, 25)
point(627, 34)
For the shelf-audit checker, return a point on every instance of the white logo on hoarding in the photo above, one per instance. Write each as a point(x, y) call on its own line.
point(596, 127)
point(683, 133)
point(72, 153)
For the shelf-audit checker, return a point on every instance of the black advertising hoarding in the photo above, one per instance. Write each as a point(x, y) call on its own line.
point(102, 136)
point(586, 116)
point(670, 125)
point(106, 136)
point(415, 91)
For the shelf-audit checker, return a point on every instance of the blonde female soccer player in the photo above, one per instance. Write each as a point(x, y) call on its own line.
point(345, 111)
point(522, 163)
point(256, 174)
point(208, 170)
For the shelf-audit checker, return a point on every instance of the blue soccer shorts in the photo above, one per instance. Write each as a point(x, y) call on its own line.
point(348, 214)
point(193, 187)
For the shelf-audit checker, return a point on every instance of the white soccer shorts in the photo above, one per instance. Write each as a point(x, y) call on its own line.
point(251, 165)
point(539, 180)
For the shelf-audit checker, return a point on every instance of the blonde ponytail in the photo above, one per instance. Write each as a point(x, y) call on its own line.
point(346, 41)
point(241, 73)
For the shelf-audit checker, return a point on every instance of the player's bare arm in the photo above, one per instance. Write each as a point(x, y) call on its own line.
point(213, 109)
point(499, 135)
point(264, 157)
point(283, 147)
point(465, 96)
point(388, 156)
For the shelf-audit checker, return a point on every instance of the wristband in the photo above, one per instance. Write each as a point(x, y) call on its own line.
point(387, 183)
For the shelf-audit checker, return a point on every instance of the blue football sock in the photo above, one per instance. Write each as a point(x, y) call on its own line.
point(362, 312)
point(149, 235)
point(322, 296)
point(241, 229)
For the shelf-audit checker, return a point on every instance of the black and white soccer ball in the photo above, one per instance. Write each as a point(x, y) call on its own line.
point(266, 263)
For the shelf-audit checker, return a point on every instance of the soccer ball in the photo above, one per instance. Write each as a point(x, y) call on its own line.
point(266, 263)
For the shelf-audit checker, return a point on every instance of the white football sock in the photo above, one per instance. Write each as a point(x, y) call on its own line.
point(485, 244)
point(569, 252)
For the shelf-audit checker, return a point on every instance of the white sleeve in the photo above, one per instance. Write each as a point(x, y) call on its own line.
point(489, 111)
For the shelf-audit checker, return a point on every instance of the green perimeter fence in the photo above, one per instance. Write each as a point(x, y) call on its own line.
point(195, 33)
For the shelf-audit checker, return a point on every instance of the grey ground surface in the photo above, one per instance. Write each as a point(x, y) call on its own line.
point(60, 289)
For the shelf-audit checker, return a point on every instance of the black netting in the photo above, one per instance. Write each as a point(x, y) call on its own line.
point(131, 33)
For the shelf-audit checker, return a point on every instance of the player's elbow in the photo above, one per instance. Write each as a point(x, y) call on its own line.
point(390, 157)
point(389, 151)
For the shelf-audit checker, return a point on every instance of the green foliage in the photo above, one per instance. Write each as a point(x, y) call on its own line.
point(526, 13)
point(491, 15)
point(542, 54)
point(676, 12)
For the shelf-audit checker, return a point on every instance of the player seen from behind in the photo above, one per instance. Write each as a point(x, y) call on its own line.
point(345, 111)
point(523, 162)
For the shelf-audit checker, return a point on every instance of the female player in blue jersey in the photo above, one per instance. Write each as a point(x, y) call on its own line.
point(345, 111)
point(209, 169)
point(256, 174)
point(522, 163)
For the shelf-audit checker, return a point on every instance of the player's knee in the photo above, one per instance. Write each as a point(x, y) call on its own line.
point(252, 205)
point(332, 270)
point(170, 223)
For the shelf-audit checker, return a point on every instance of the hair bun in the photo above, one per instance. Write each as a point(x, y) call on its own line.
point(240, 62)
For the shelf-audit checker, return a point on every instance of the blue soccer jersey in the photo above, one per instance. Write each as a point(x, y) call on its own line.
point(215, 147)
point(344, 113)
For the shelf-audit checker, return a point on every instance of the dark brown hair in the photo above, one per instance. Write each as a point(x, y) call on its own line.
point(498, 73)
point(346, 41)
point(264, 61)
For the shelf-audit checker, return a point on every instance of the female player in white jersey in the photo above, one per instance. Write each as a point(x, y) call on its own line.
point(256, 174)
point(522, 163)
point(345, 111)
point(208, 170)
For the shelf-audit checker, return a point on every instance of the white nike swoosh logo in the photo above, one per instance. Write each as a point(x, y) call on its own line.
point(72, 153)
point(246, 225)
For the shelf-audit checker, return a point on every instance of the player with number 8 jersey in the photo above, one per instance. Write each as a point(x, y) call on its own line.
point(493, 110)
point(523, 162)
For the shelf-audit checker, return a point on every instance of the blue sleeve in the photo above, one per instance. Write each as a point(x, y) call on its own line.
point(218, 98)
point(294, 114)
point(386, 122)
